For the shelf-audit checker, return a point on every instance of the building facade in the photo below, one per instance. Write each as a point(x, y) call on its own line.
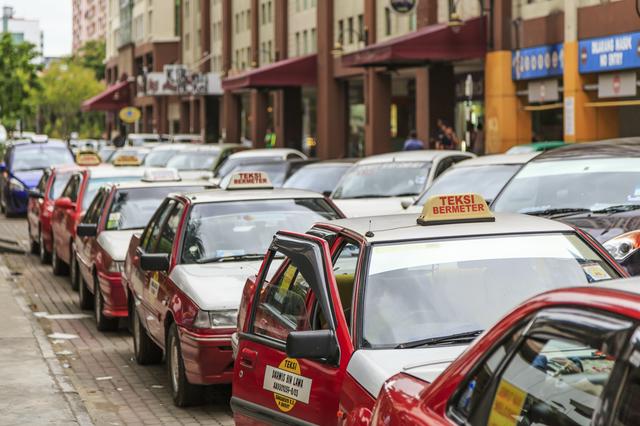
point(22, 30)
point(89, 22)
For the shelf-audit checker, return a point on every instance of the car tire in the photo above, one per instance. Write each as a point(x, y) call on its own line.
point(145, 350)
point(45, 256)
point(102, 323)
point(85, 298)
point(184, 393)
point(34, 246)
point(74, 271)
point(59, 267)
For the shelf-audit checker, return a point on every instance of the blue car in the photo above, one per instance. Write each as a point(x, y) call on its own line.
point(24, 162)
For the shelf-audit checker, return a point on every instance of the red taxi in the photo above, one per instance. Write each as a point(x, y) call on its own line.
point(73, 202)
point(102, 238)
point(566, 357)
point(186, 271)
point(357, 301)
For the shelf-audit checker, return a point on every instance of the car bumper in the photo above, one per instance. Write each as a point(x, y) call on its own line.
point(113, 293)
point(207, 358)
point(17, 202)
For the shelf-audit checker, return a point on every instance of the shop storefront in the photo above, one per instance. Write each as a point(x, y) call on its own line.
point(469, 109)
point(609, 67)
point(537, 72)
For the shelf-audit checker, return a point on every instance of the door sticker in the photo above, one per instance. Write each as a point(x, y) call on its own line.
point(287, 385)
point(507, 405)
point(114, 220)
point(154, 284)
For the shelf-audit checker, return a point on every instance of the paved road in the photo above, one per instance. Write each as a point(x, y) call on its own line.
point(100, 366)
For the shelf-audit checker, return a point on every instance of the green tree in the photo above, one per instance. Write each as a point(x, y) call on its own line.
point(65, 85)
point(92, 55)
point(18, 81)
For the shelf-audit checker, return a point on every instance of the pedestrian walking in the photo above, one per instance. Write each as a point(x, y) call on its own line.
point(413, 143)
point(270, 138)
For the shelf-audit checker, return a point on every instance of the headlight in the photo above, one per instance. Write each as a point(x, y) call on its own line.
point(623, 245)
point(116, 267)
point(16, 185)
point(216, 319)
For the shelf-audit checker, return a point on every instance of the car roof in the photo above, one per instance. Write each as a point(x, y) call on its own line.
point(497, 159)
point(403, 227)
point(170, 146)
point(163, 184)
point(610, 148)
point(143, 135)
point(267, 152)
point(347, 162)
point(628, 285)
point(105, 171)
point(124, 149)
point(222, 195)
point(421, 155)
point(51, 142)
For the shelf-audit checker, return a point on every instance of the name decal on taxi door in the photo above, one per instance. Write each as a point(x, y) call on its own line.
point(154, 284)
point(287, 385)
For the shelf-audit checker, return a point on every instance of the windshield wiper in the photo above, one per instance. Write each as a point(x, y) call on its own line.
point(558, 211)
point(250, 256)
point(451, 338)
point(618, 208)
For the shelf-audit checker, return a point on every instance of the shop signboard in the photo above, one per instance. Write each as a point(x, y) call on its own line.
point(178, 80)
point(541, 91)
point(402, 6)
point(617, 85)
point(611, 53)
point(537, 62)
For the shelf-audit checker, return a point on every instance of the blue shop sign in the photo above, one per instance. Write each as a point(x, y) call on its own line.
point(537, 62)
point(612, 53)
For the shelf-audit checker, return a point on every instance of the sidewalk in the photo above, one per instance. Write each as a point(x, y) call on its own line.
point(33, 387)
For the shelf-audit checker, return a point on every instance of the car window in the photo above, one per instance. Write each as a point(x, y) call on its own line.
point(391, 179)
point(443, 165)
point(317, 179)
point(344, 269)
point(154, 233)
point(42, 183)
point(72, 188)
point(39, 156)
point(551, 381)
point(146, 234)
point(170, 229)
point(628, 410)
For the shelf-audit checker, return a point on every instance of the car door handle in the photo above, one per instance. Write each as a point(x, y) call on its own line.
point(248, 357)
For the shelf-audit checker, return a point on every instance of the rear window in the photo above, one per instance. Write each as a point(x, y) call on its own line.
point(95, 184)
point(39, 156)
point(59, 182)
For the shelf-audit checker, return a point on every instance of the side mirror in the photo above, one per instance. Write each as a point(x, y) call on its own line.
point(406, 204)
point(315, 344)
point(34, 193)
point(87, 230)
point(64, 203)
point(327, 193)
point(154, 261)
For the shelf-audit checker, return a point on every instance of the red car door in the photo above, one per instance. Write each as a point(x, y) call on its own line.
point(34, 206)
point(63, 218)
point(292, 359)
point(85, 247)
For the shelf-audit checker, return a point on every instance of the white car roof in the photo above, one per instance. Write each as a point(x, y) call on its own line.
point(420, 155)
point(163, 184)
point(272, 152)
point(628, 285)
point(222, 195)
point(171, 147)
point(497, 159)
point(404, 227)
point(106, 171)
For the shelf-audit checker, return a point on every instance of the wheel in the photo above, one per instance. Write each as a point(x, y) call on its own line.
point(184, 393)
point(145, 350)
point(85, 300)
point(74, 271)
point(45, 256)
point(102, 323)
point(59, 267)
point(34, 246)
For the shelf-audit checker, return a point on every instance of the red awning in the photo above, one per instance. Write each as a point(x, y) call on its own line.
point(439, 42)
point(115, 97)
point(293, 72)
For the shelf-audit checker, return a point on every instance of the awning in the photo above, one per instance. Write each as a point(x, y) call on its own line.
point(293, 72)
point(115, 97)
point(439, 42)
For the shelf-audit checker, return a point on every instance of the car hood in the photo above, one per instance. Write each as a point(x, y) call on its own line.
point(28, 177)
point(372, 367)
point(214, 286)
point(605, 226)
point(371, 206)
point(196, 174)
point(116, 243)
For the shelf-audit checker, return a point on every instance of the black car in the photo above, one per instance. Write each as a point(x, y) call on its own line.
point(593, 186)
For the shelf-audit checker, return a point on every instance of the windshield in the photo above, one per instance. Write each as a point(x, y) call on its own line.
point(133, 208)
point(106, 152)
point(422, 290)
point(592, 184)
point(238, 228)
point(159, 157)
point(484, 180)
point(194, 160)
point(34, 157)
point(393, 179)
point(318, 179)
point(59, 182)
point(95, 184)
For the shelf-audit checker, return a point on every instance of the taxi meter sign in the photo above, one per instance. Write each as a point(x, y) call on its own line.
point(87, 159)
point(287, 385)
point(249, 180)
point(455, 208)
point(127, 160)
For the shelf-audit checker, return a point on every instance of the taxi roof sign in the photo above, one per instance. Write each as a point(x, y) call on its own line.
point(87, 158)
point(161, 174)
point(250, 180)
point(455, 208)
point(127, 160)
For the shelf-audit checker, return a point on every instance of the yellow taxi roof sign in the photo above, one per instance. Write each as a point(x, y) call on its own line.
point(455, 208)
point(87, 158)
point(250, 180)
point(127, 160)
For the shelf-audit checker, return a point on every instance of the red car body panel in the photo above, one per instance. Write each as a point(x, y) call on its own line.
point(408, 400)
point(64, 222)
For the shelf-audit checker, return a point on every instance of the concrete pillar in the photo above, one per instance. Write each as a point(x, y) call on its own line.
point(255, 36)
point(288, 117)
point(259, 105)
point(377, 99)
point(281, 25)
point(205, 34)
point(423, 112)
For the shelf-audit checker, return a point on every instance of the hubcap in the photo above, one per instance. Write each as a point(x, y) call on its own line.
point(174, 365)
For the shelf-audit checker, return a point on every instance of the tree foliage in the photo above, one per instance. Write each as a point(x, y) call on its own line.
point(65, 85)
point(18, 81)
point(91, 55)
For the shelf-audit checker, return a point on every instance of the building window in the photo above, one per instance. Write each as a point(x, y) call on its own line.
point(269, 14)
point(387, 21)
point(305, 43)
point(237, 23)
point(314, 41)
point(361, 28)
point(248, 27)
point(270, 51)
point(150, 23)
point(350, 29)
point(176, 18)
point(186, 9)
point(341, 31)
point(297, 5)
point(297, 44)
point(187, 41)
point(263, 11)
point(197, 44)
